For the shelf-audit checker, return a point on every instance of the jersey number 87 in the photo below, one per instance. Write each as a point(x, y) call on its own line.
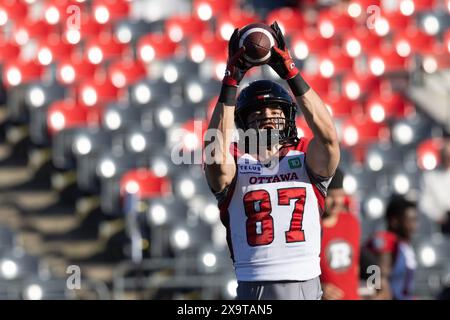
point(258, 209)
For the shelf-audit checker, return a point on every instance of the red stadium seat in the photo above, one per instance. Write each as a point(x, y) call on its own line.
point(94, 92)
point(155, 46)
point(145, 183)
point(205, 46)
point(288, 19)
point(397, 21)
point(341, 107)
point(89, 28)
point(360, 41)
point(17, 72)
point(358, 8)
point(428, 154)
point(126, 72)
point(309, 41)
point(332, 21)
point(75, 70)
point(436, 60)
point(57, 11)
point(106, 11)
point(8, 51)
point(413, 40)
point(386, 60)
point(235, 19)
point(303, 129)
point(206, 9)
point(388, 22)
point(409, 7)
point(105, 47)
point(12, 11)
point(336, 62)
point(53, 49)
point(356, 85)
point(320, 84)
point(181, 27)
point(387, 105)
point(362, 131)
point(64, 114)
point(25, 30)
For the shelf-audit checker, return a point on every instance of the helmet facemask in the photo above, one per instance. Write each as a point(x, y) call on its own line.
point(280, 130)
point(260, 94)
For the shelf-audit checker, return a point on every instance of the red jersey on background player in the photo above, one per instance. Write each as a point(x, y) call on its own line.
point(339, 257)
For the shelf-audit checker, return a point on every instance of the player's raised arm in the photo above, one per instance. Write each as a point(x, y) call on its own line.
point(323, 151)
point(221, 172)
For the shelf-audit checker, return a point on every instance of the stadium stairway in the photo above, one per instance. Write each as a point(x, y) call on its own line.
point(432, 94)
point(47, 226)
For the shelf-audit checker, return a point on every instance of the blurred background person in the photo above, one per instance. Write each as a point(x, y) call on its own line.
point(394, 250)
point(434, 201)
point(341, 235)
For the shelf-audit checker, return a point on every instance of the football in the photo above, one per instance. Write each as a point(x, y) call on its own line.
point(258, 40)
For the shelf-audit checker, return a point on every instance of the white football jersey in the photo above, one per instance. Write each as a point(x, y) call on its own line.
point(272, 216)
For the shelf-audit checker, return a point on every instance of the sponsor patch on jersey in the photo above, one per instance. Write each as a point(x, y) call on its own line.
point(248, 167)
point(295, 163)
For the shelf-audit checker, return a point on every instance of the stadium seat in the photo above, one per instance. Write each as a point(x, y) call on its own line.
point(289, 20)
point(428, 154)
point(13, 11)
point(130, 30)
point(124, 73)
point(111, 166)
point(309, 42)
point(205, 10)
point(149, 92)
point(88, 144)
point(179, 28)
point(109, 11)
point(39, 96)
point(71, 71)
point(155, 46)
point(357, 86)
point(29, 31)
point(36, 288)
point(89, 29)
point(57, 12)
point(360, 40)
point(103, 48)
point(412, 41)
point(334, 63)
point(385, 106)
point(206, 46)
point(235, 19)
point(386, 60)
point(340, 106)
point(332, 21)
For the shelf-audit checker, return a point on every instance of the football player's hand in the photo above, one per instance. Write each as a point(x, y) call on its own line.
point(281, 60)
point(331, 292)
point(236, 66)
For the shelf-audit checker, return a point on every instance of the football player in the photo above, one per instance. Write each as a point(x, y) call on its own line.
point(272, 215)
point(339, 257)
point(395, 253)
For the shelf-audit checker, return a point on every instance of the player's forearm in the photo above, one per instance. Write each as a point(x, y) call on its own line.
point(318, 118)
point(222, 122)
point(220, 167)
